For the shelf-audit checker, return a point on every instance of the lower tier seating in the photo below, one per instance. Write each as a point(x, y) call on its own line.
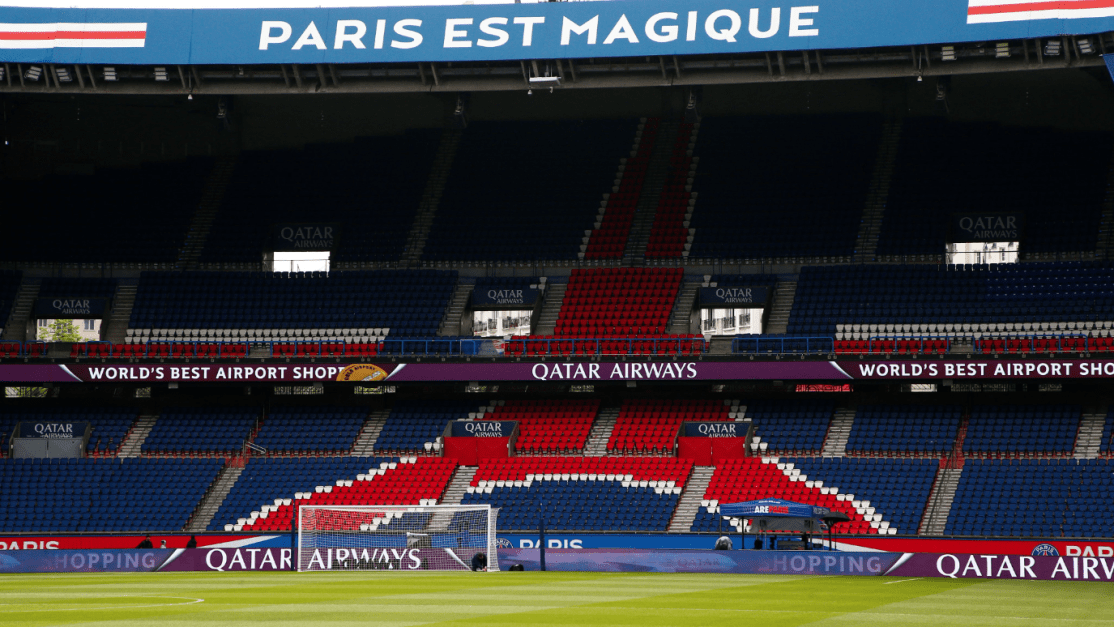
point(1022, 429)
point(755, 478)
point(578, 493)
point(410, 481)
point(84, 495)
point(650, 426)
point(265, 479)
point(549, 426)
point(207, 430)
point(416, 426)
point(905, 429)
point(1034, 498)
point(791, 425)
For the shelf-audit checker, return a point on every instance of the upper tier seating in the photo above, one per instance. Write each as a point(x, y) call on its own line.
point(789, 426)
point(109, 425)
point(208, 430)
point(944, 168)
point(136, 234)
point(265, 479)
point(897, 489)
point(669, 236)
point(524, 191)
point(549, 426)
point(752, 206)
point(84, 495)
point(9, 288)
point(409, 482)
point(581, 493)
point(920, 430)
point(1047, 498)
point(302, 429)
point(65, 287)
point(620, 302)
point(609, 239)
point(753, 478)
point(1107, 445)
point(416, 426)
point(650, 426)
point(1023, 429)
point(408, 302)
point(920, 300)
point(369, 189)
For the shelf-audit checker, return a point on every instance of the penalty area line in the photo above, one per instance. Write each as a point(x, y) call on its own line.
point(191, 601)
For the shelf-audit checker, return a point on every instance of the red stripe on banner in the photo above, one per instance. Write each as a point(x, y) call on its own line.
point(1040, 6)
point(81, 34)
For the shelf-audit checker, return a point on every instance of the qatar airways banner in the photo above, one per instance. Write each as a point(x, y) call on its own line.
point(664, 371)
point(242, 32)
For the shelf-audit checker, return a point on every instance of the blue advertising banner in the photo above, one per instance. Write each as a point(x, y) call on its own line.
point(681, 561)
point(766, 508)
point(714, 429)
point(496, 297)
point(102, 561)
point(755, 297)
point(53, 430)
point(51, 308)
point(483, 428)
point(198, 32)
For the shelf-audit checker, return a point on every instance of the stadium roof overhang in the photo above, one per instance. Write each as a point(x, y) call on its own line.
point(369, 46)
point(922, 62)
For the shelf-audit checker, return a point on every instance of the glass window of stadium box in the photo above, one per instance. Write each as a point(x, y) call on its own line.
point(975, 253)
point(731, 321)
point(500, 323)
point(301, 261)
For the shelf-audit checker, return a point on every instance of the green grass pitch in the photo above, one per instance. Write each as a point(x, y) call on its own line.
point(531, 598)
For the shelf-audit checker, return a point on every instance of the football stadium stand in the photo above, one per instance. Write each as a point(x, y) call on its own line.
point(202, 431)
point(310, 429)
point(552, 427)
point(645, 426)
point(914, 430)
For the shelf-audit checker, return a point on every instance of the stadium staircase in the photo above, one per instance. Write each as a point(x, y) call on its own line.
point(132, 444)
point(873, 212)
point(454, 313)
point(656, 171)
point(16, 327)
point(835, 444)
point(691, 498)
point(617, 207)
point(940, 501)
point(431, 198)
point(778, 321)
point(600, 434)
point(551, 308)
point(202, 222)
point(1089, 440)
point(680, 320)
point(117, 325)
point(1106, 225)
point(214, 497)
point(365, 443)
point(454, 494)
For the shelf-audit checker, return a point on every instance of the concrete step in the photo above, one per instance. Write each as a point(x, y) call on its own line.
point(365, 442)
point(132, 444)
point(1088, 441)
point(213, 499)
point(600, 434)
point(689, 504)
point(940, 501)
point(835, 445)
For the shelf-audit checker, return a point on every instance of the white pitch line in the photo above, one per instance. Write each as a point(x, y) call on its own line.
point(192, 601)
point(902, 580)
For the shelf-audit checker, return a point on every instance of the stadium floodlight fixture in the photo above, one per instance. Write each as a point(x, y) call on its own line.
point(1052, 48)
point(1085, 46)
point(1002, 50)
point(64, 75)
point(33, 73)
point(109, 73)
point(947, 53)
point(161, 75)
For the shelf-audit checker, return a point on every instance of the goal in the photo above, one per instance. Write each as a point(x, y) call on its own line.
point(396, 537)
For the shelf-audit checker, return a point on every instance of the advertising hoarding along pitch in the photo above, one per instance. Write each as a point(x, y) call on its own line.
point(663, 371)
point(286, 31)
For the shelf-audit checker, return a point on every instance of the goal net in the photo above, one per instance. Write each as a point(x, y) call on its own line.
point(396, 537)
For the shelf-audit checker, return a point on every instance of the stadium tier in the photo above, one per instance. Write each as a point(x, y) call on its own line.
point(1040, 430)
point(1034, 498)
point(205, 431)
point(108, 427)
point(651, 426)
point(791, 427)
point(670, 236)
point(559, 427)
point(809, 210)
point(304, 429)
point(136, 235)
point(368, 191)
point(887, 429)
point(54, 495)
point(608, 240)
point(416, 426)
point(524, 191)
point(579, 493)
point(945, 168)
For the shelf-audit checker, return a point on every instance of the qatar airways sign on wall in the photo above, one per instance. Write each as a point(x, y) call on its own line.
point(240, 32)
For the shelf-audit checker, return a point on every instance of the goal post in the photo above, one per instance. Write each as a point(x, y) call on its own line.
point(396, 537)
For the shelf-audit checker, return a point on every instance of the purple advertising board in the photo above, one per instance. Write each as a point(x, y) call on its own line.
point(657, 371)
point(100, 561)
point(1040, 567)
point(689, 561)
